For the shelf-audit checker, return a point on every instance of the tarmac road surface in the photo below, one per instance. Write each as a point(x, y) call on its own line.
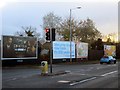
point(78, 76)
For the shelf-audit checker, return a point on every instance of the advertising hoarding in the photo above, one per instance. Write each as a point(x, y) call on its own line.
point(82, 50)
point(14, 47)
point(61, 49)
point(110, 50)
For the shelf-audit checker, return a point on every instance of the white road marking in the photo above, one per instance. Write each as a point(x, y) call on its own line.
point(98, 68)
point(82, 81)
point(14, 78)
point(63, 75)
point(63, 81)
point(67, 71)
point(78, 73)
point(109, 73)
point(82, 74)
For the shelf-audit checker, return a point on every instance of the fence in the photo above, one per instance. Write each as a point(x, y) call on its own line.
point(95, 54)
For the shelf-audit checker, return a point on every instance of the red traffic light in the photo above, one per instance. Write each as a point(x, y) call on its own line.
point(47, 30)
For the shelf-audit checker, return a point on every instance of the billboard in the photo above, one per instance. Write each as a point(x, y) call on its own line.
point(82, 50)
point(61, 49)
point(110, 50)
point(14, 47)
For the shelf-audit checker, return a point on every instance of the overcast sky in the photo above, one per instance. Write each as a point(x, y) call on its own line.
point(16, 14)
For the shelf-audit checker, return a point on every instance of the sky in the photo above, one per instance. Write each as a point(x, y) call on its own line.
point(17, 13)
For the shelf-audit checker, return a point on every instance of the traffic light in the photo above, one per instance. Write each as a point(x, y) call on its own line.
point(47, 30)
point(53, 34)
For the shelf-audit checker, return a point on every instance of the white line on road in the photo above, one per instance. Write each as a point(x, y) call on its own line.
point(82, 81)
point(109, 73)
point(63, 81)
point(14, 78)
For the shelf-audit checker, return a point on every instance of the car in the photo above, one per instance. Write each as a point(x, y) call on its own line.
point(108, 60)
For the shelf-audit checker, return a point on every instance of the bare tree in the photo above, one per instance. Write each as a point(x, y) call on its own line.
point(28, 31)
point(51, 20)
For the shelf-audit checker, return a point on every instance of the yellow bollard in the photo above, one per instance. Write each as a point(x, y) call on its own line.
point(44, 67)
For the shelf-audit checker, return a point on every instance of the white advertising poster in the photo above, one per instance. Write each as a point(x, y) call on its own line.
point(61, 49)
point(110, 50)
point(82, 50)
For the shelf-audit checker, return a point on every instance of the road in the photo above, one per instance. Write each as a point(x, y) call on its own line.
point(79, 76)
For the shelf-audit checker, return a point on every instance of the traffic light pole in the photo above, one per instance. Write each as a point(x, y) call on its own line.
point(51, 50)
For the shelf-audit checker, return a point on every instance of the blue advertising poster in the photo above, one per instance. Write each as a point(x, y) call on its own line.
point(61, 49)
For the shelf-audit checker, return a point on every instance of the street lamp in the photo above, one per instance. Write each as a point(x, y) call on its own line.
point(71, 33)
